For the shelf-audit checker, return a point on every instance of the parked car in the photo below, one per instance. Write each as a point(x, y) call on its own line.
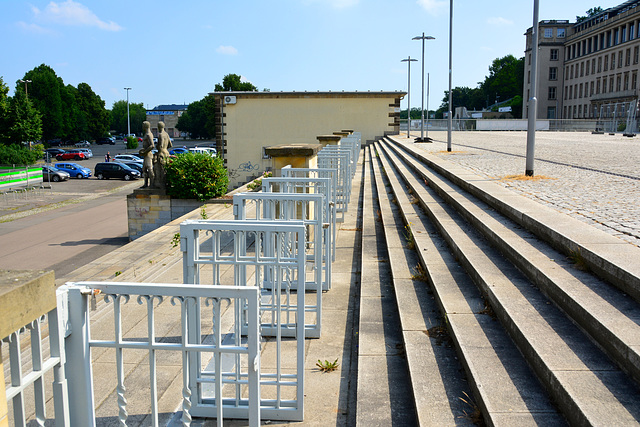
point(72, 155)
point(105, 140)
point(127, 158)
point(74, 170)
point(87, 151)
point(50, 173)
point(52, 152)
point(56, 142)
point(83, 144)
point(179, 150)
point(204, 150)
point(106, 170)
point(134, 165)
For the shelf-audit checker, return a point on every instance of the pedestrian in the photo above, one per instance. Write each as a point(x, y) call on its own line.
point(107, 157)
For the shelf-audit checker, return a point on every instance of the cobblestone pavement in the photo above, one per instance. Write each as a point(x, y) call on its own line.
point(594, 178)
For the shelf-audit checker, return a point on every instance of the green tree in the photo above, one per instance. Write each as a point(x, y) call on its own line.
point(4, 110)
point(137, 115)
point(45, 91)
point(591, 12)
point(92, 106)
point(75, 121)
point(505, 79)
point(233, 83)
point(25, 121)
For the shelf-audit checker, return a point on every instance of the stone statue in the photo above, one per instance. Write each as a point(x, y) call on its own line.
point(147, 155)
point(164, 143)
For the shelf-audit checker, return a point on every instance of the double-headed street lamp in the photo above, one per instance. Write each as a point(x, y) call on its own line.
point(408, 60)
point(423, 38)
point(25, 87)
point(128, 120)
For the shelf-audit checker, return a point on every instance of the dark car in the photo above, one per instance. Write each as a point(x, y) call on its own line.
point(134, 165)
point(49, 173)
point(50, 153)
point(176, 151)
point(56, 142)
point(105, 140)
point(106, 170)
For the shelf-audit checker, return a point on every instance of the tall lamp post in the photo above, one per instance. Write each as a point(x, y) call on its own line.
point(408, 60)
point(533, 101)
point(423, 38)
point(128, 120)
point(449, 118)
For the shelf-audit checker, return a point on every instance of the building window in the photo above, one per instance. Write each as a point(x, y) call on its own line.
point(627, 61)
point(560, 33)
point(636, 54)
point(626, 81)
point(579, 111)
point(624, 35)
point(613, 61)
point(529, 59)
point(548, 33)
point(604, 85)
point(570, 92)
point(616, 35)
point(593, 66)
point(552, 93)
point(553, 73)
point(582, 69)
point(575, 109)
point(580, 96)
point(634, 80)
point(586, 71)
point(597, 86)
point(591, 89)
point(620, 59)
point(571, 73)
point(529, 76)
point(551, 113)
point(606, 62)
point(566, 93)
point(554, 55)
point(566, 73)
point(600, 64)
point(618, 83)
point(611, 84)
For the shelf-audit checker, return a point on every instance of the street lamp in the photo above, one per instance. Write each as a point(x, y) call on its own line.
point(533, 101)
point(423, 38)
point(449, 118)
point(25, 87)
point(408, 60)
point(128, 120)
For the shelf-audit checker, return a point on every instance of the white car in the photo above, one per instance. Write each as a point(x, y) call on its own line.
point(127, 158)
point(83, 144)
point(88, 152)
point(204, 150)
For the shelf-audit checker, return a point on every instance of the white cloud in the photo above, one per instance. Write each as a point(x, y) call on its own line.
point(227, 50)
point(33, 28)
point(72, 13)
point(433, 6)
point(499, 21)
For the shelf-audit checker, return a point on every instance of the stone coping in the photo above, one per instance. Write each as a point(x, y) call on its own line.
point(293, 150)
point(328, 138)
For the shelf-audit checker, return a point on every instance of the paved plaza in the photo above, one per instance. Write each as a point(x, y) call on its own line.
point(594, 178)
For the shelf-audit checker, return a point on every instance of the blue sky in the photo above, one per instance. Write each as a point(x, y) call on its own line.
point(174, 52)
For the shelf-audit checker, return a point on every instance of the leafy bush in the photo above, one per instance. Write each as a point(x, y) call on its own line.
point(196, 176)
point(132, 142)
point(15, 154)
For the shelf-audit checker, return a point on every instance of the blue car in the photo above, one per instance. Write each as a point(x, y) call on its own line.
point(74, 169)
point(177, 151)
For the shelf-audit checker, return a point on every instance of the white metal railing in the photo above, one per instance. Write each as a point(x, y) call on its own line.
point(252, 254)
point(310, 209)
point(289, 172)
point(339, 161)
point(22, 383)
point(236, 385)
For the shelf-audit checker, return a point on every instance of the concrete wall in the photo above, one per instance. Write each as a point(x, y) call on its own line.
point(263, 119)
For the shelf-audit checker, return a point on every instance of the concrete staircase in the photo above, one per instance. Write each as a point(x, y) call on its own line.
point(479, 305)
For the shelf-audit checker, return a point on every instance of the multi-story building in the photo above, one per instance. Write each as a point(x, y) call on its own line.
point(169, 114)
point(589, 69)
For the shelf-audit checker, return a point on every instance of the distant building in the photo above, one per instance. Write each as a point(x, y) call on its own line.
point(587, 70)
point(169, 114)
point(247, 122)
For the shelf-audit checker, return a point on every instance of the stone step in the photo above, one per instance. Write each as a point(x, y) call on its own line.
point(383, 394)
point(607, 256)
point(610, 317)
point(585, 384)
point(504, 389)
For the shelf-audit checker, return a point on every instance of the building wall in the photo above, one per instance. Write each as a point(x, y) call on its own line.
point(170, 119)
point(598, 67)
point(263, 119)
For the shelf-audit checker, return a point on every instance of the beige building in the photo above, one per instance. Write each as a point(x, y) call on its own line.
point(169, 114)
point(247, 122)
point(587, 70)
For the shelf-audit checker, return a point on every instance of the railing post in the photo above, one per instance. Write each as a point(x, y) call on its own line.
point(80, 378)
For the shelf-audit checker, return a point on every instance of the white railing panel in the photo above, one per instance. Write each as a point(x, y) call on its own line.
point(237, 391)
point(309, 208)
point(252, 254)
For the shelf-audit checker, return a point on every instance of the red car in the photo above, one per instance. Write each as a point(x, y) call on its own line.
point(72, 155)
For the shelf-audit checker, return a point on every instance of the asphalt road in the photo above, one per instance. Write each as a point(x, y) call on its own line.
point(72, 224)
